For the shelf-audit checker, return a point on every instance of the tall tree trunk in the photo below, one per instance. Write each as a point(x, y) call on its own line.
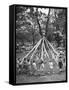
point(48, 18)
point(39, 27)
point(38, 22)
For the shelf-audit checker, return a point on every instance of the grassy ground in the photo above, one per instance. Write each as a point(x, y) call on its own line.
point(45, 78)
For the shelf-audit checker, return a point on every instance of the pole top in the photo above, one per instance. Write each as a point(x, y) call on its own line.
point(43, 32)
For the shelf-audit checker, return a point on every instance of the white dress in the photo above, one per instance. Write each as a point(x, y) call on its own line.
point(42, 67)
point(34, 66)
point(51, 65)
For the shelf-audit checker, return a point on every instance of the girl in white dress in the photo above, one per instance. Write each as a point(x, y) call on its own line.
point(42, 66)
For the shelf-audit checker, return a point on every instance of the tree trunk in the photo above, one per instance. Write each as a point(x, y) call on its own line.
point(38, 22)
point(39, 27)
point(47, 21)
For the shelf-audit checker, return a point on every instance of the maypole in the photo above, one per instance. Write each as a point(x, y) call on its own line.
point(42, 49)
point(46, 52)
point(46, 48)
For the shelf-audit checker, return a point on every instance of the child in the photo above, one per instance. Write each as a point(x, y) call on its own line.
point(60, 64)
point(34, 68)
point(51, 66)
point(29, 64)
point(28, 61)
point(34, 65)
point(42, 66)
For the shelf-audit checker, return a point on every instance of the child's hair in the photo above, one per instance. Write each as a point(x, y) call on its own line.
point(24, 58)
point(28, 60)
point(41, 61)
point(33, 60)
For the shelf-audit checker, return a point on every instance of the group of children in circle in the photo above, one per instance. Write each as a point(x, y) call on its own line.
point(28, 62)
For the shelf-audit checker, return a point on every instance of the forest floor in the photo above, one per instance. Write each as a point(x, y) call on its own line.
point(45, 78)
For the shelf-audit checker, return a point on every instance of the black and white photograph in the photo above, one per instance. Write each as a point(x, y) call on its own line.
point(41, 44)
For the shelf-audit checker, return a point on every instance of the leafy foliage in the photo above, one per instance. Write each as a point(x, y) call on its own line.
point(30, 21)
